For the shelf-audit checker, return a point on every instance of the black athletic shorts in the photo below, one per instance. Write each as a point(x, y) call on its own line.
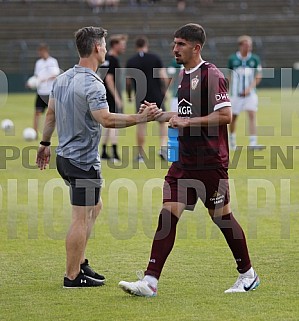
point(85, 186)
point(41, 103)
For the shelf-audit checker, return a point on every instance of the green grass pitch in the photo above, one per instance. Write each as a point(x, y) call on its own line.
point(35, 214)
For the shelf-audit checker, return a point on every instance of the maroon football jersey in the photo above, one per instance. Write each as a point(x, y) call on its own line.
point(202, 91)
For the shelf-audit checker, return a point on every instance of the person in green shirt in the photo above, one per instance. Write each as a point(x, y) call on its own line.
point(245, 74)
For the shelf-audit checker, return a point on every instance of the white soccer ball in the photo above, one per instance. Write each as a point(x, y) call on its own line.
point(32, 82)
point(29, 134)
point(7, 125)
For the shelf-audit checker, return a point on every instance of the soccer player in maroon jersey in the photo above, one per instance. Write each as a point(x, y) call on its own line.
point(204, 111)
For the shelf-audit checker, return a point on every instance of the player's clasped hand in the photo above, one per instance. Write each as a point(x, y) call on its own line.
point(177, 121)
point(43, 157)
point(144, 105)
point(150, 111)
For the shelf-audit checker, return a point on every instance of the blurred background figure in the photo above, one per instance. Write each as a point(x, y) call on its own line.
point(151, 86)
point(46, 70)
point(96, 5)
point(99, 5)
point(113, 86)
point(173, 72)
point(181, 5)
point(245, 74)
point(112, 4)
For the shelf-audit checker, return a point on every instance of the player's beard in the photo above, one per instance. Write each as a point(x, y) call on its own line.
point(179, 60)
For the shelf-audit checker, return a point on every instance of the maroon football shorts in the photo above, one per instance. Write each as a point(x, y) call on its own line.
point(186, 186)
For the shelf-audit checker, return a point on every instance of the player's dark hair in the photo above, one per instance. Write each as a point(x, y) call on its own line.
point(192, 32)
point(140, 42)
point(87, 37)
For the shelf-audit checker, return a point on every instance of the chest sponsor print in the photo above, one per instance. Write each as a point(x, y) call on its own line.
point(185, 108)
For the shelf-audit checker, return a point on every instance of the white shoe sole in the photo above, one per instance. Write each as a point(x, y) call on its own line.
point(126, 288)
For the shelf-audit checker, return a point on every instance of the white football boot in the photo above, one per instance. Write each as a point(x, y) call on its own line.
point(245, 282)
point(139, 288)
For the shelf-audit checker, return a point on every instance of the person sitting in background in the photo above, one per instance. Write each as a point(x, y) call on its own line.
point(98, 5)
point(181, 5)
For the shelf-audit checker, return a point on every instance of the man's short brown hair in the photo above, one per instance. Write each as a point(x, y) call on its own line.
point(43, 46)
point(116, 39)
point(87, 37)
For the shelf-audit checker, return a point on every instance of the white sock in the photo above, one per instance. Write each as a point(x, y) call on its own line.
point(249, 273)
point(151, 280)
point(252, 140)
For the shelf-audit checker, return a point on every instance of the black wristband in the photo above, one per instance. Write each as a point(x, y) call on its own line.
point(45, 143)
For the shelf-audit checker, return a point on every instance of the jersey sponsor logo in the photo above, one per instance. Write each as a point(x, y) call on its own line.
point(185, 108)
point(221, 96)
point(194, 83)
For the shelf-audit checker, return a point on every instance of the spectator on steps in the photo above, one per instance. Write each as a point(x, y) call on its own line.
point(181, 5)
point(98, 5)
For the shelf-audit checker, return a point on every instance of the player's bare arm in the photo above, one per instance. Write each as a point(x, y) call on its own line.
point(166, 116)
point(257, 79)
point(254, 83)
point(50, 122)
point(112, 120)
point(222, 116)
point(44, 152)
